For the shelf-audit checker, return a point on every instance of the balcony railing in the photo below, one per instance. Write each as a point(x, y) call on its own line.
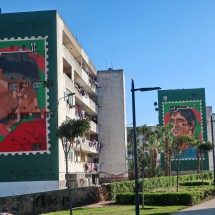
point(82, 144)
point(86, 100)
point(80, 71)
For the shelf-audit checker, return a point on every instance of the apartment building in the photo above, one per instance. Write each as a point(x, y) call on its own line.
point(45, 79)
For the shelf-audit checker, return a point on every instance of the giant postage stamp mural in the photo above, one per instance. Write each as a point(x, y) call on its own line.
point(23, 96)
point(186, 118)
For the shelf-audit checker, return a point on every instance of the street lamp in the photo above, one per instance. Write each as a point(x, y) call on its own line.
point(212, 135)
point(135, 140)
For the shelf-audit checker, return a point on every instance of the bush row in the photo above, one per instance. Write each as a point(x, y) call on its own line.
point(151, 183)
point(195, 183)
point(163, 198)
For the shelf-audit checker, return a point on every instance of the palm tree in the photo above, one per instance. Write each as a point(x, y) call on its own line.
point(165, 137)
point(67, 132)
point(178, 149)
point(130, 140)
point(203, 148)
point(196, 144)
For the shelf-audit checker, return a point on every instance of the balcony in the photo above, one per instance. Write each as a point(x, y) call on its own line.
point(81, 100)
point(81, 75)
point(84, 145)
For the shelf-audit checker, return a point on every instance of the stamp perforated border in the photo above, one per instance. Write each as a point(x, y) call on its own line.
point(34, 152)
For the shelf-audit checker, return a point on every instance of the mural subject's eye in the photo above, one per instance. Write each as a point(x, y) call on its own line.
point(180, 120)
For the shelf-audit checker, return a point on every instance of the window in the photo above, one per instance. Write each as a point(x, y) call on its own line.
point(71, 155)
point(24, 116)
point(49, 83)
point(36, 115)
point(69, 98)
point(36, 146)
point(12, 116)
point(13, 86)
point(37, 84)
point(48, 114)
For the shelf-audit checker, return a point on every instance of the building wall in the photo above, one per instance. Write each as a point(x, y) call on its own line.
point(38, 166)
point(74, 67)
point(209, 132)
point(112, 128)
point(192, 99)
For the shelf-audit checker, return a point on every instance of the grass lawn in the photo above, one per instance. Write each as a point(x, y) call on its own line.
point(119, 210)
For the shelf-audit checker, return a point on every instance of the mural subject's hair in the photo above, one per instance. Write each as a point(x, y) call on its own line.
point(19, 64)
point(185, 111)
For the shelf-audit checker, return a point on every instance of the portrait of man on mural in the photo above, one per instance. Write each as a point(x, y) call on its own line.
point(183, 120)
point(186, 120)
point(22, 126)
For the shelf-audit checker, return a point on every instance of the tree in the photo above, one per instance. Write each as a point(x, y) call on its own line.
point(67, 132)
point(179, 143)
point(165, 139)
point(203, 148)
point(197, 143)
point(130, 140)
point(154, 145)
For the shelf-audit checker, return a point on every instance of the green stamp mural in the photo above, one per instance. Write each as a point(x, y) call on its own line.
point(186, 118)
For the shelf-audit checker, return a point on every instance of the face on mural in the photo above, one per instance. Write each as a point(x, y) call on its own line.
point(8, 101)
point(181, 125)
point(21, 99)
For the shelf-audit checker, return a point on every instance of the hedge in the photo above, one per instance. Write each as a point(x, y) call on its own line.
point(163, 198)
point(151, 183)
point(195, 183)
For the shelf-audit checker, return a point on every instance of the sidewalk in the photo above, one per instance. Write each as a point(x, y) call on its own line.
point(99, 204)
point(205, 208)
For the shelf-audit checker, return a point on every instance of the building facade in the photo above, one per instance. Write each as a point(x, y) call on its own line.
point(112, 120)
point(45, 79)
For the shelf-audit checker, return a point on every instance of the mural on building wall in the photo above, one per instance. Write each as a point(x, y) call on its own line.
point(186, 117)
point(23, 96)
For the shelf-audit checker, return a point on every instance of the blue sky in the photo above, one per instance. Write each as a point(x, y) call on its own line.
point(165, 43)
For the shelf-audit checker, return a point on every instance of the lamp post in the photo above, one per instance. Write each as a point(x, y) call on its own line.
point(135, 140)
point(212, 135)
point(67, 174)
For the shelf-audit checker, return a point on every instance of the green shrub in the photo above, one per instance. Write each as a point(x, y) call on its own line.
point(125, 198)
point(173, 198)
point(151, 183)
point(209, 192)
point(195, 183)
point(163, 198)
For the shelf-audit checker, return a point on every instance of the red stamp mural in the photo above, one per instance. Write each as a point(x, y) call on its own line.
point(23, 96)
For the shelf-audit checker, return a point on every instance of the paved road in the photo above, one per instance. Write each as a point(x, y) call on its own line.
point(205, 208)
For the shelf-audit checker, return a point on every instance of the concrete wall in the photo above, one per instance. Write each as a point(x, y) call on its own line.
point(112, 128)
point(209, 132)
point(45, 202)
